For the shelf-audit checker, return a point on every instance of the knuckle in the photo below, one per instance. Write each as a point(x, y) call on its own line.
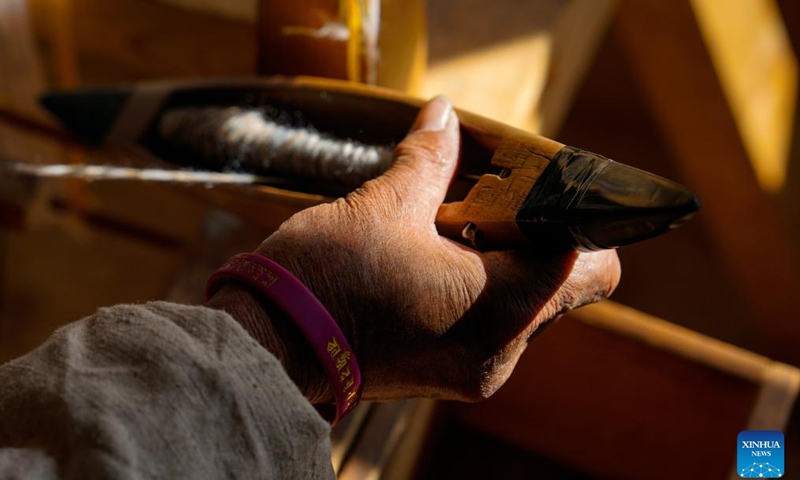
point(571, 297)
point(485, 379)
point(328, 219)
point(476, 391)
point(475, 396)
point(597, 279)
point(352, 201)
point(481, 388)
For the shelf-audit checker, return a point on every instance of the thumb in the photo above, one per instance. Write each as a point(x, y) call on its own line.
point(424, 163)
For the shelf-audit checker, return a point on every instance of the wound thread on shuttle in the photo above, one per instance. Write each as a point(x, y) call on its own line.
point(246, 139)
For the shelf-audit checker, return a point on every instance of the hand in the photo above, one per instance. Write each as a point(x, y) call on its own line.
point(427, 316)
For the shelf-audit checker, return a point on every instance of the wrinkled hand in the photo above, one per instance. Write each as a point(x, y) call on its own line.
point(425, 315)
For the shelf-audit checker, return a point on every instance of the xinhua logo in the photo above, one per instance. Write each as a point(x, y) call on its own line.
point(760, 454)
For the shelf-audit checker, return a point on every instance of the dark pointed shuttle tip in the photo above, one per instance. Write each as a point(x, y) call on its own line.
point(686, 210)
point(87, 114)
point(590, 203)
point(625, 205)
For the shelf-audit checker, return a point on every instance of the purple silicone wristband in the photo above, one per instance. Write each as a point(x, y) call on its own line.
point(308, 313)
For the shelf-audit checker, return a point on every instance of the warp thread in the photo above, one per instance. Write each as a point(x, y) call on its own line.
point(113, 172)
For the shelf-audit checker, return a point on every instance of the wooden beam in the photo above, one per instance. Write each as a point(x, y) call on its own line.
point(21, 73)
point(665, 46)
point(378, 43)
point(22, 79)
point(312, 39)
point(790, 194)
point(753, 58)
point(389, 441)
point(517, 63)
point(503, 82)
point(608, 379)
point(577, 36)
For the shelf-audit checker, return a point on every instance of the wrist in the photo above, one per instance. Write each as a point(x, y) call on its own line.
point(273, 330)
point(322, 286)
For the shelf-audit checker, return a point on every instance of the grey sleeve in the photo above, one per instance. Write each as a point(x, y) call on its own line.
point(156, 391)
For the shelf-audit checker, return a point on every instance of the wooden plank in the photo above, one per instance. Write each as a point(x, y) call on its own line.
point(686, 97)
point(345, 434)
point(382, 433)
point(406, 458)
point(55, 274)
point(676, 340)
point(143, 39)
point(608, 379)
point(389, 443)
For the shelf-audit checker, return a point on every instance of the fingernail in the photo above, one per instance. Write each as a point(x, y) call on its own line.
point(434, 115)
